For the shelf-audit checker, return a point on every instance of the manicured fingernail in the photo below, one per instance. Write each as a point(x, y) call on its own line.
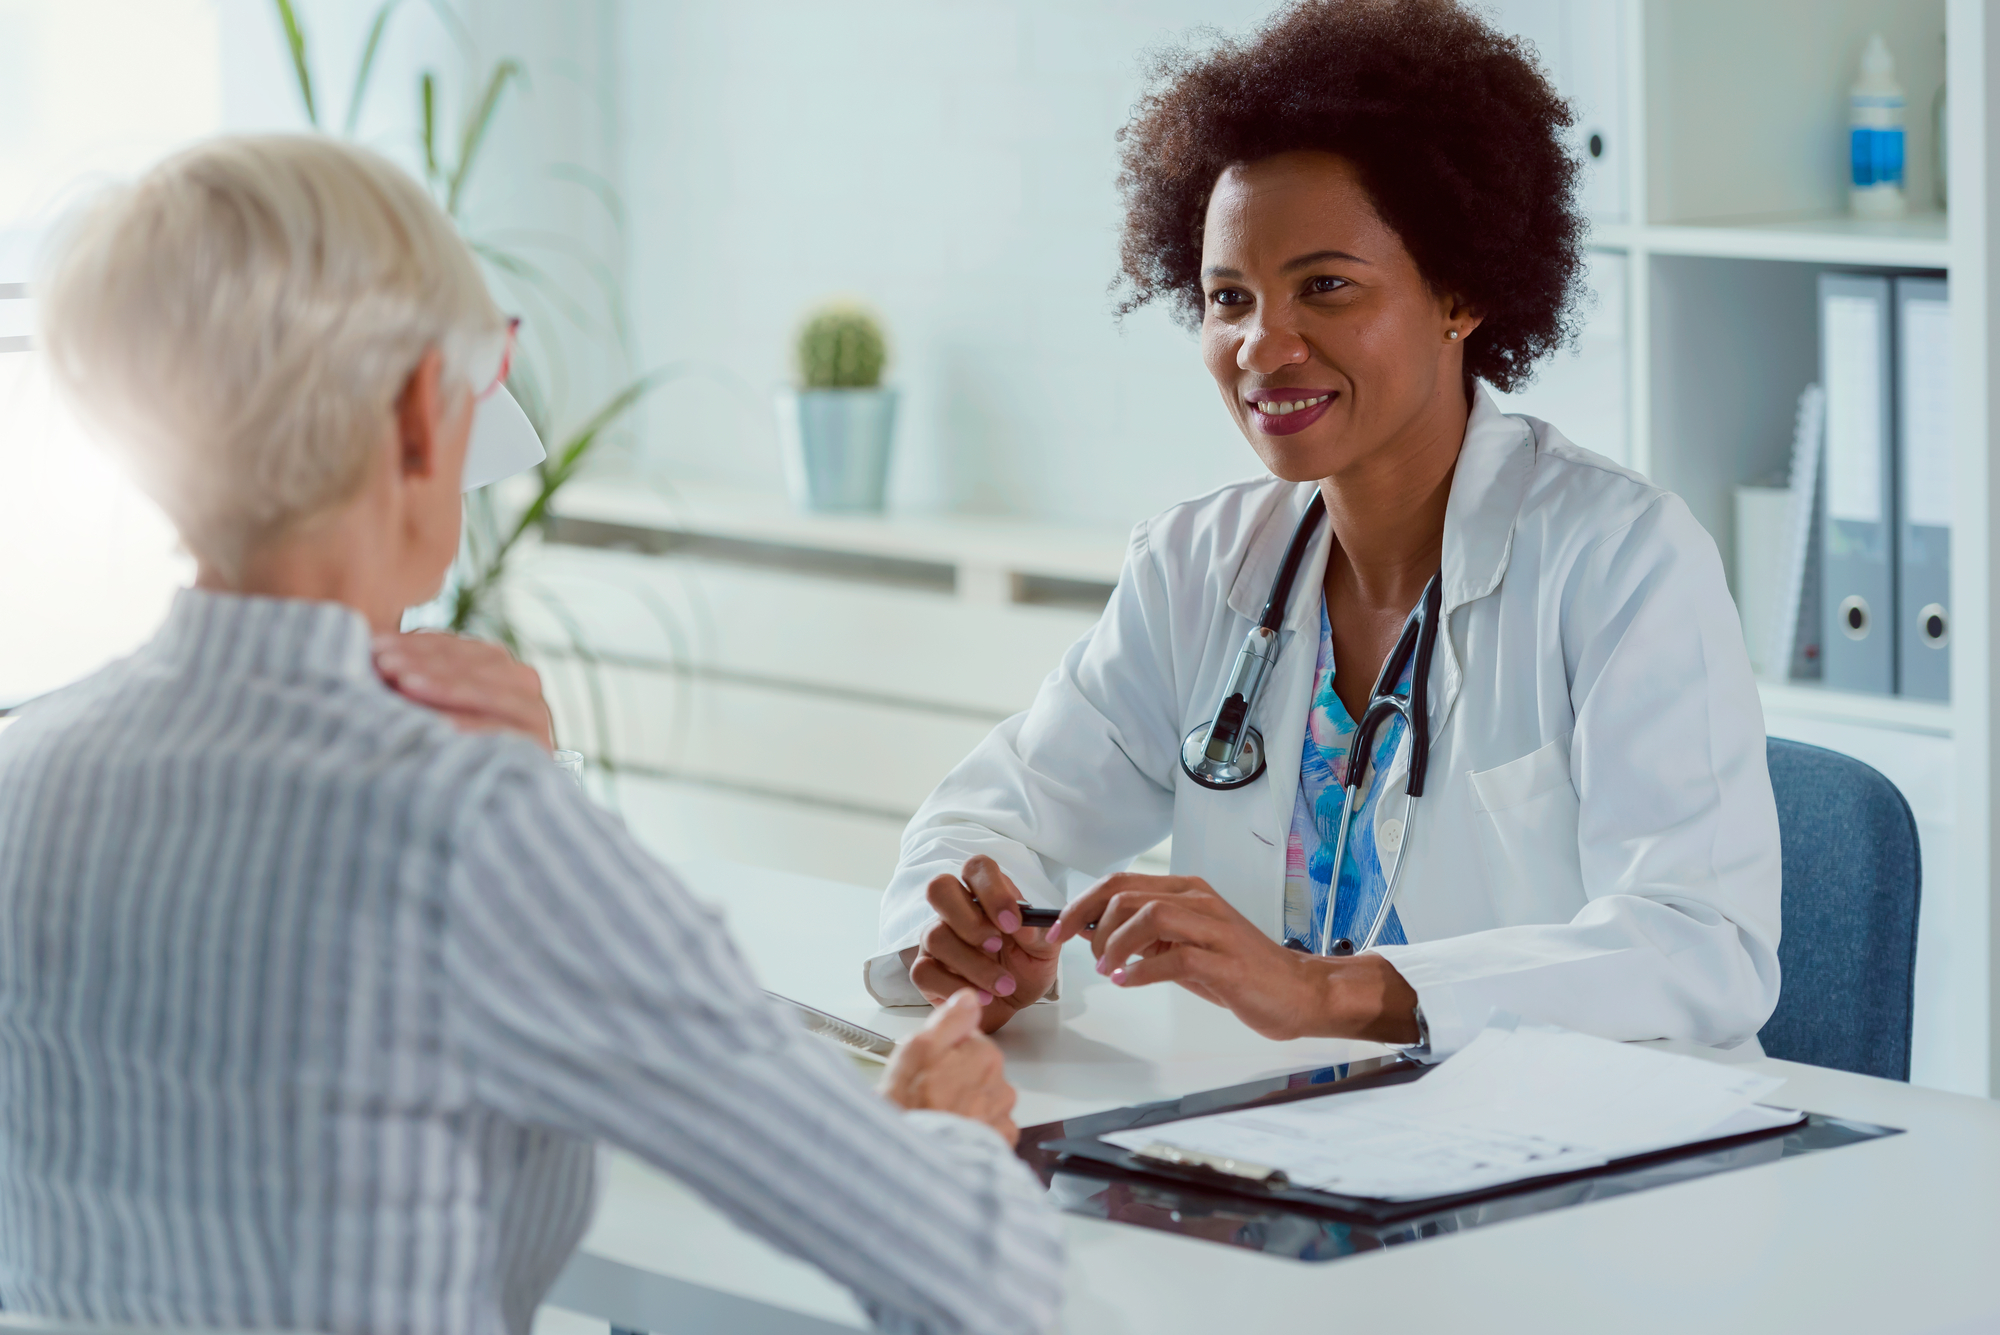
point(1118, 977)
point(1104, 964)
point(1004, 987)
point(1010, 921)
point(992, 946)
point(985, 997)
point(416, 681)
point(1055, 932)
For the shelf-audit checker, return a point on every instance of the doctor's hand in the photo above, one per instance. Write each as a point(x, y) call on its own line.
point(979, 941)
point(1156, 929)
point(479, 687)
point(949, 1066)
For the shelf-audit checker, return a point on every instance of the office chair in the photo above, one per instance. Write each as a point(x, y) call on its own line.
point(1852, 881)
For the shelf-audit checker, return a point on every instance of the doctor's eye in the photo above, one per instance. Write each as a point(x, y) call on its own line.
point(1229, 296)
point(1326, 283)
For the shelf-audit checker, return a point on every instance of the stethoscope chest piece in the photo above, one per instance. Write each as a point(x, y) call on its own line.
point(1213, 771)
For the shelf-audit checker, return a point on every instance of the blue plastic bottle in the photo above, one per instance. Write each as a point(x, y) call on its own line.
point(1875, 139)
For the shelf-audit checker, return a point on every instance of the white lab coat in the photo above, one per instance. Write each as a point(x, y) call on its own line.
point(1597, 846)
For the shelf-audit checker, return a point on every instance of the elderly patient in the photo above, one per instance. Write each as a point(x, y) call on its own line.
point(314, 999)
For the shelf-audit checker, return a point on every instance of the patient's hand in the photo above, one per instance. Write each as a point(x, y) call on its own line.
point(480, 687)
point(951, 1067)
point(978, 941)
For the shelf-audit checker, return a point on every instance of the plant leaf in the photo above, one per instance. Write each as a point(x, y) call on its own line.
point(528, 271)
point(295, 37)
point(595, 182)
point(461, 35)
point(514, 240)
point(554, 474)
point(428, 87)
point(475, 130)
point(593, 668)
point(367, 66)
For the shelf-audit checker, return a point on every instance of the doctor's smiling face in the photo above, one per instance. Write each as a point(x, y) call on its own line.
point(1333, 352)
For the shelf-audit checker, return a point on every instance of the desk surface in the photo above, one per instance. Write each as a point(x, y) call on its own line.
point(1892, 1235)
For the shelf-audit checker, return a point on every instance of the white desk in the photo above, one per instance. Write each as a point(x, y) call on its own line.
point(1899, 1234)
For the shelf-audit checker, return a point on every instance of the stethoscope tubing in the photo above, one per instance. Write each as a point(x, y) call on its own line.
point(1210, 752)
point(1419, 638)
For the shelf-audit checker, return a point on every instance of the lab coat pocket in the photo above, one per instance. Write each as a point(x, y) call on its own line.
point(1526, 820)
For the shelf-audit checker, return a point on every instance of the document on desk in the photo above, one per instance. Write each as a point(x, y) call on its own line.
point(1516, 1103)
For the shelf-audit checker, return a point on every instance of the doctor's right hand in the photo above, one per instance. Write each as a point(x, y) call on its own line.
point(979, 941)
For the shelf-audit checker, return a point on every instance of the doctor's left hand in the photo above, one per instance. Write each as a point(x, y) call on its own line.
point(1156, 929)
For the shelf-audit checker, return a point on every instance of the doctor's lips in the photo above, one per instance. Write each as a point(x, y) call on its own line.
point(1283, 409)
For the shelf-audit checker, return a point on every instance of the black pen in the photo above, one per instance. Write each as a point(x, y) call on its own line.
point(1034, 917)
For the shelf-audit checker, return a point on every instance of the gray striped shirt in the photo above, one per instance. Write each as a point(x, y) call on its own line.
point(312, 1007)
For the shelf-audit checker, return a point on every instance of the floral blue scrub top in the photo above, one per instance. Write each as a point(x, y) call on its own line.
point(1316, 818)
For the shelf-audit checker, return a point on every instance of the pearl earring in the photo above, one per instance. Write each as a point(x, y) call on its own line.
point(1452, 334)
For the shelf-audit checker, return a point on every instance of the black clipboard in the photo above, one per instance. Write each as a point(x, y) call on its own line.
point(1074, 1147)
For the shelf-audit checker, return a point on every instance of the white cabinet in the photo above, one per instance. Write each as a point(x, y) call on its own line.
point(786, 689)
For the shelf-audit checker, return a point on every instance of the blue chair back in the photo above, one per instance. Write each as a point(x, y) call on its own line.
point(1852, 880)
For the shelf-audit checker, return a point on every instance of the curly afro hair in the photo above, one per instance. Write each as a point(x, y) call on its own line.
point(1456, 134)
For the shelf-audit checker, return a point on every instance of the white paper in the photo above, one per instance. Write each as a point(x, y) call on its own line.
point(1513, 1104)
point(1853, 408)
point(1926, 403)
point(1808, 430)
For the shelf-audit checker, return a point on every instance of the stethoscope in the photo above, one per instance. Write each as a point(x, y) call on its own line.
point(1227, 753)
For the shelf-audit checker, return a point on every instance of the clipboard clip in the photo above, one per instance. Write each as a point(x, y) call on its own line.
point(1239, 1172)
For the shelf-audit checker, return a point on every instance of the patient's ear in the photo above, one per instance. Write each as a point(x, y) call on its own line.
point(420, 417)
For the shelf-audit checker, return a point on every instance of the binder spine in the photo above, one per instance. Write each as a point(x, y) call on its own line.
point(1923, 488)
point(1858, 590)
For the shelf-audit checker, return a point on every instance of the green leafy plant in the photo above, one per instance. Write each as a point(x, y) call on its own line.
point(475, 600)
point(841, 347)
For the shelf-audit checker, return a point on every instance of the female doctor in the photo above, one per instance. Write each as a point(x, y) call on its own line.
point(1368, 211)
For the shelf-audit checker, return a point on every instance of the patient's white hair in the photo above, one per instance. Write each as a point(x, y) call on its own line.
point(241, 321)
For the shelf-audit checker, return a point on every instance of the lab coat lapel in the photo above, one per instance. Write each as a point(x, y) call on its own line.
point(1247, 848)
point(1266, 552)
point(1487, 486)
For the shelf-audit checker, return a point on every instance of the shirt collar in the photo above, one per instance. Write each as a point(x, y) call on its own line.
point(1491, 475)
point(240, 635)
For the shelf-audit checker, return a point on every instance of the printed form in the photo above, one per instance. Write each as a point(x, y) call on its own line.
point(1515, 1103)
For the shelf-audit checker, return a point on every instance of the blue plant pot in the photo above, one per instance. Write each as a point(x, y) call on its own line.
point(835, 447)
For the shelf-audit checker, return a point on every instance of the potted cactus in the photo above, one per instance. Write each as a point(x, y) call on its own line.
point(834, 429)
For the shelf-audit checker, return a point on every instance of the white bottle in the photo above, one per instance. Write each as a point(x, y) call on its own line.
point(1875, 137)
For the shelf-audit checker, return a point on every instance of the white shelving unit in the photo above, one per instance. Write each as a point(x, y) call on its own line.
point(1726, 198)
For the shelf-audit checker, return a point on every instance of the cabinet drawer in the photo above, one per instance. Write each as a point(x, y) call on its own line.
point(677, 821)
point(875, 640)
point(860, 755)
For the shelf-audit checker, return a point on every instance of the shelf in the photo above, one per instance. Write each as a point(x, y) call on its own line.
point(1920, 241)
point(1897, 713)
point(989, 559)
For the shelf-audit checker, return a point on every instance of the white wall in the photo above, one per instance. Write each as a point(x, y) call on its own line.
point(953, 162)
